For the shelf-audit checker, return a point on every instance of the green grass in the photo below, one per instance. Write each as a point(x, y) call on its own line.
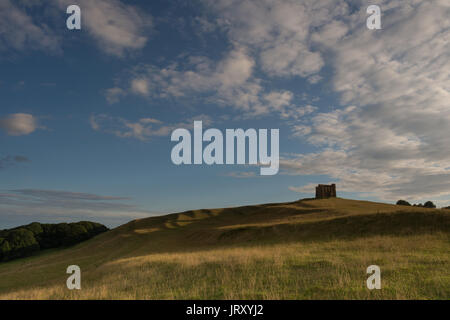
point(312, 249)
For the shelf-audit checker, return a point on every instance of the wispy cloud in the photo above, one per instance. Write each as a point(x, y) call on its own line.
point(142, 129)
point(8, 161)
point(64, 195)
point(54, 205)
point(242, 174)
point(116, 27)
point(20, 31)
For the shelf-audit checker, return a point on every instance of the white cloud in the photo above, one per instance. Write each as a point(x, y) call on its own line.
point(291, 58)
point(229, 83)
point(140, 86)
point(19, 124)
point(394, 143)
point(329, 34)
point(392, 128)
point(279, 32)
point(279, 99)
point(113, 95)
point(118, 28)
point(235, 69)
point(143, 129)
point(314, 79)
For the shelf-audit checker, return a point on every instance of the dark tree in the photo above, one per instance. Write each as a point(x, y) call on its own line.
point(26, 240)
point(429, 204)
point(18, 243)
point(403, 203)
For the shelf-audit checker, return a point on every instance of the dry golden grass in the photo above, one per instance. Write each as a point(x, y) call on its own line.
point(303, 250)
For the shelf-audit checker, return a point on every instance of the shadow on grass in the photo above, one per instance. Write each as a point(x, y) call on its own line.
point(346, 228)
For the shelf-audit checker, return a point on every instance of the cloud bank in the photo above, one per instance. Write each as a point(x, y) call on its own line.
point(55, 205)
point(391, 131)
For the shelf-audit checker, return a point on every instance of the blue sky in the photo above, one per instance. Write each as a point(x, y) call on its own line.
point(86, 116)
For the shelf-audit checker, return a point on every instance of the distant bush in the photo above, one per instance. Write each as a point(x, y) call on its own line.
point(429, 204)
point(26, 240)
point(403, 203)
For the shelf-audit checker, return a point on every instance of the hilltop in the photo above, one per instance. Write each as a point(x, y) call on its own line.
point(296, 250)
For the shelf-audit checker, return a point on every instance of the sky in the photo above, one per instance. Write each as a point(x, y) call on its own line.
point(86, 115)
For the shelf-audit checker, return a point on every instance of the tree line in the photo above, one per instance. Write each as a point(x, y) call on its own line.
point(26, 240)
point(428, 204)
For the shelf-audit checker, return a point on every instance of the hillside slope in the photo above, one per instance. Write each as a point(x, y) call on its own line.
point(303, 249)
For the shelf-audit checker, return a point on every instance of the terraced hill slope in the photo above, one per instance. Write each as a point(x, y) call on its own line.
point(300, 250)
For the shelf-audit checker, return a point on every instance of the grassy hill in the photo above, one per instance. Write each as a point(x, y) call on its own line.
point(309, 249)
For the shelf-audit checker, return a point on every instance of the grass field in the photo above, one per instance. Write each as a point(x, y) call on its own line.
point(310, 249)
